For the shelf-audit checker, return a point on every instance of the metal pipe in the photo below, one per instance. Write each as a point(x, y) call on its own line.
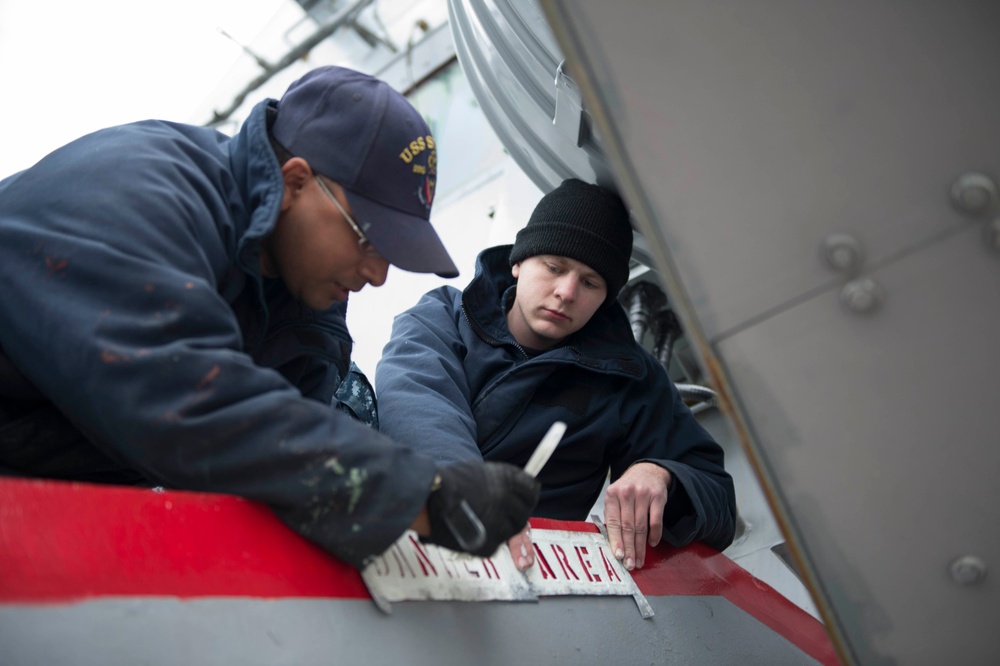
point(347, 16)
point(642, 300)
point(666, 331)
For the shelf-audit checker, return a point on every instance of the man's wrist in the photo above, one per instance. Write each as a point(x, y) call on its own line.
point(422, 523)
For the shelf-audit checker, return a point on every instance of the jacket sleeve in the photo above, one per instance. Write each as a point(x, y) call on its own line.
point(702, 502)
point(111, 309)
point(424, 399)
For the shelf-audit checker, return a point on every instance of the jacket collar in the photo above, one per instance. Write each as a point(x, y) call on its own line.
point(258, 175)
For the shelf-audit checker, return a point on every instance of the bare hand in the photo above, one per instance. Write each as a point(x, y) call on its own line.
point(521, 550)
point(633, 509)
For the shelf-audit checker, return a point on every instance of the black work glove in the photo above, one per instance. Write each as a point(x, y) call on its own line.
point(479, 505)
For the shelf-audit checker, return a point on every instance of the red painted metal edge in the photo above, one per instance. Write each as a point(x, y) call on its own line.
point(698, 570)
point(66, 542)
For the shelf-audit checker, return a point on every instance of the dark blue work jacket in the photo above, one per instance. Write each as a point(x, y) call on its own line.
point(140, 344)
point(453, 383)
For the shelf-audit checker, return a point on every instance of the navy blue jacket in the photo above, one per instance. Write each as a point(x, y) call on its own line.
point(133, 309)
point(454, 383)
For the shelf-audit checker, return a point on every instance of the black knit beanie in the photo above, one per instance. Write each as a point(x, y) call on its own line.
point(583, 222)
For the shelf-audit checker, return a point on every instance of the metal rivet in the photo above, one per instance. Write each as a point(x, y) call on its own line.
point(861, 296)
point(973, 193)
point(968, 570)
point(842, 252)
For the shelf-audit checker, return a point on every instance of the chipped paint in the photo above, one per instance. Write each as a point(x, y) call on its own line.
point(209, 377)
point(55, 265)
point(110, 357)
point(355, 480)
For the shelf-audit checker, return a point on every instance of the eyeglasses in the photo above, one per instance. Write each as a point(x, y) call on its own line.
point(363, 242)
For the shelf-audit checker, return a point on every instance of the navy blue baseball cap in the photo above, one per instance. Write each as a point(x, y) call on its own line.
point(358, 131)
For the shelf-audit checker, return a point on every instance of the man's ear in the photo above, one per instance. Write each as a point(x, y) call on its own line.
point(296, 172)
point(515, 270)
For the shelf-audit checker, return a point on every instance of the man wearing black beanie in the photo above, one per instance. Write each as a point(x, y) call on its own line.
point(537, 337)
point(583, 222)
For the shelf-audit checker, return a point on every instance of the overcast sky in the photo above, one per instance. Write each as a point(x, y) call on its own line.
point(68, 67)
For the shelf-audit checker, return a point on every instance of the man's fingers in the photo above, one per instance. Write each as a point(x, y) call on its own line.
point(637, 500)
point(619, 518)
point(641, 530)
point(627, 504)
point(521, 550)
point(613, 523)
point(656, 509)
point(528, 550)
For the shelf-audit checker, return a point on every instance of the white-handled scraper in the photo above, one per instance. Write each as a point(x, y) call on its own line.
point(545, 448)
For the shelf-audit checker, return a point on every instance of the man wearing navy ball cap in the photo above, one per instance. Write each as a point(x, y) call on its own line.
point(173, 303)
point(357, 131)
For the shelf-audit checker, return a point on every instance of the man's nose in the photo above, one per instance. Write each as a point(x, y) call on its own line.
point(375, 270)
point(566, 288)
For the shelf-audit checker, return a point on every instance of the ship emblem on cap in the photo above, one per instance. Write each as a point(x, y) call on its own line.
point(426, 190)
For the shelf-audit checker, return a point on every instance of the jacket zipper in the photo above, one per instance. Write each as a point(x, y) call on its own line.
point(487, 338)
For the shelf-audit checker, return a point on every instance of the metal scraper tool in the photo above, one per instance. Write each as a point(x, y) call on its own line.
point(545, 448)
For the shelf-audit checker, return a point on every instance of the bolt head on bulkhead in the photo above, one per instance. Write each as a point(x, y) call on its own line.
point(968, 570)
point(842, 252)
point(861, 296)
point(973, 193)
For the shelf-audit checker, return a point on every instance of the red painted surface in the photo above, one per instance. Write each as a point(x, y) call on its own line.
point(65, 542)
point(69, 541)
point(697, 570)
